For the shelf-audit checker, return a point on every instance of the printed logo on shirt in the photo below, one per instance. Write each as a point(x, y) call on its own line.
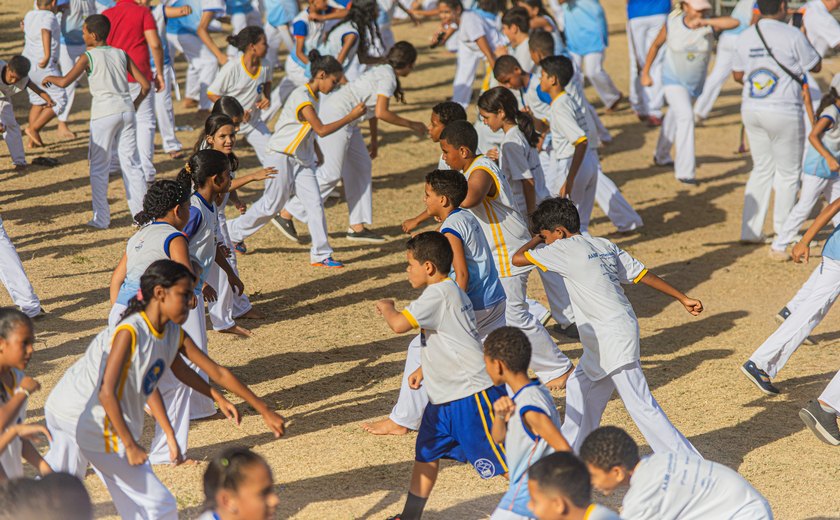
point(762, 83)
point(139, 245)
point(152, 376)
point(485, 468)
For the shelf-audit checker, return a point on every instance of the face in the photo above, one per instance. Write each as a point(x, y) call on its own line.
point(542, 505)
point(318, 5)
point(435, 204)
point(493, 369)
point(16, 348)
point(550, 236)
point(255, 498)
point(494, 120)
point(223, 140)
point(546, 81)
point(88, 36)
point(261, 47)
point(511, 32)
point(447, 14)
point(175, 301)
point(326, 83)
point(454, 157)
point(605, 481)
point(513, 81)
point(405, 71)
point(435, 127)
point(417, 272)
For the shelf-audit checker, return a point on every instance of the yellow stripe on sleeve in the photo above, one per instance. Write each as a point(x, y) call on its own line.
point(531, 259)
point(581, 140)
point(487, 433)
point(410, 319)
point(641, 275)
point(495, 180)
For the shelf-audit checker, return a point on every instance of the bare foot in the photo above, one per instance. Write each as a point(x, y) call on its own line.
point(189, 103)
point(64, 131)
point(177, 154)
point(34, 139)
point(251, 315)
point(239, 331)
point(186, 462)
point(559, 383)
point(385, 427)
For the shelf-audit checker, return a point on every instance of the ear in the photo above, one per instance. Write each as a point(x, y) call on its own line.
point(160, 292)
point(463, 151)
point(226, 501)
point(429, 267)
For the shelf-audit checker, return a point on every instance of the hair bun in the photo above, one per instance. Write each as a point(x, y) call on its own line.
point(313, 55)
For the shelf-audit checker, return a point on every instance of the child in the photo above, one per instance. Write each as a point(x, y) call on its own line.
point(57, 495)
point(112, 117)
point(820, 415)
point(689, 37)
point(805, 311)
point(73, 14)
point(17, 334)
point(352, 40)
point(474, 272)
point(674, 485)
point(528, 422)
point(594, 269)
point(560, 489)
point(292, 151)
point(95, 413)
point(278, 18)
point(242, 14)
point(455, 422)
point(518, 159)
point(541, 20)
point(345, 156)
point(248, 80)
point(13, 79)
point(238, 485)
point(41, 46)
point(821, 170)
point(515, 27)
point(14, 277)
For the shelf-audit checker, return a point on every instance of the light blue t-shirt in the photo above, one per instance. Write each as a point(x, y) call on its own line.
point(831, 249)
point(238, 6)
point(189, 24)
point(639, 8)
point(484, 288)
point(585, 26)
point(743, 12)
point(280, 12)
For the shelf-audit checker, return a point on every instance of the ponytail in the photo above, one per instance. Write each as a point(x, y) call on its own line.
point(202, 165)
point(160, 199)
point(362, 15)
point(250, 35)
point(212, 125)
point(501, 99)
point(161, 273)
point(326, 64)
point(227, 471)
point(827, 100)
point(402, 55)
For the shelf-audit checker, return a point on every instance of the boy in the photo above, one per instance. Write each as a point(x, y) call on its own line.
point(671, 485)
point(528, 423)
point(474, 272)
point(515, 27)
point(111, 117)
point(73, 14)
point(594, 269)
point(561, 489)
point(41, 47)
point(13, 79)
point(454, 423)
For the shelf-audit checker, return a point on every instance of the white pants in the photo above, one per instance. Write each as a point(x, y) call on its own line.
point(831, 394)
point(145, 118)
point(612, 202)
point(177, 402)
point(228, 304)
point(345, 158)
point(68, 54)
point(718, 77)
point(165, 113)
point(807, 309)
point(466, 65)
point(776, 145)
point(239, 21)
point(276, 36)
point(592, 66)
point(678, 131)
point(504, 514)
point(64, 454)
point(108, 134)
point(641, 31)
point(813, 189)
point(57, 94)
point(12, 134)
point(584, 188)
point(201, 406)
point(202, 66)
point(586, 400)
point(14, 277)
point(257, 135)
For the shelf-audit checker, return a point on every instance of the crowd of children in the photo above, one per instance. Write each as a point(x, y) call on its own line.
point(511, 193)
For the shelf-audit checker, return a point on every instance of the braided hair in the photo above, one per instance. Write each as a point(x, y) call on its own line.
point(161, 197)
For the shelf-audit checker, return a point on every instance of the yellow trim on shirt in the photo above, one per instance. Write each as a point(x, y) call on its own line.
point(299, 108)
point(255, 76)
point(155, 333)
point(411, 320)
point(495, 181)
point(498, 239)
point(581, 140)
point(487, 432)
point(589, 511)
point(558, 97)
point(493, 418)
point(309, 88)
point(640, 276)
point(293, 146)
point(111, 445)
point(531, 259)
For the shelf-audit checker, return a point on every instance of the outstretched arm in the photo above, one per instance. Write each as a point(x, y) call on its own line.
point(308, 114)
point(802, 250)
point(694, 307)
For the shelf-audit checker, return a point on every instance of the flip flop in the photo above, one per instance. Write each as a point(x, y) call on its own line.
point(48, 162)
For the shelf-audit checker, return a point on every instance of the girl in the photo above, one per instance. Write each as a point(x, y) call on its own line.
point(517, 156)
point(278, 17)
point(542, 19)
point(95, 413)
point(292, 151)
point(238, 485)
point(248, 80)
point(350, 41)
point(17, 334)
point(242, 14)
point(821, 170)
point(689, 37)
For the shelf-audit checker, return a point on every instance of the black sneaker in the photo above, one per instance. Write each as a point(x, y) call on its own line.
point(570, 332)
point(759, 378)
point(785, 314)
point(287, 227)
point(365, 235)
point(822, 423)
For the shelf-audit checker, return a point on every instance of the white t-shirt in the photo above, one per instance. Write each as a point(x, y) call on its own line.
point(234, 80)
point(594, 270)
point(10, 458)
point(568, 126)
point(766, 86)
point(523, 55)
point(7, 90)
point(452, 357)
point(687, 53)
point(520, 161)
point(376, 81)
point(335, 42)
point(291, 135)
point(670, 486)
point(599, 512)
point(108, 82)
point(33, 47)
point(821, 27)
point(473, 26)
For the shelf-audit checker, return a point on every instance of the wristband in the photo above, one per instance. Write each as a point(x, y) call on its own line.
point(21, 390)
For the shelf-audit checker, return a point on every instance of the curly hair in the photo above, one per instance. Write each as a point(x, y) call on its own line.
point(510, 346)
point(161, 197)
point(609, 447)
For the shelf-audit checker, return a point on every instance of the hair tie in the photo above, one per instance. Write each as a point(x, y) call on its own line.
point(187, 167)
point(139, 295)
point(224, 462)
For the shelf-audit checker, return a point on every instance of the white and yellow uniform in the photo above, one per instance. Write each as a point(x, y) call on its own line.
point(82, 432)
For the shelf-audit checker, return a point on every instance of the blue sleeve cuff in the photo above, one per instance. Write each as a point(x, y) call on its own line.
point(452, 232)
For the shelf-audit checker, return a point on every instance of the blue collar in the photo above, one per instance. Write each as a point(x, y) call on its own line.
point(534, 382)
point(207, 205)
point(456, 210)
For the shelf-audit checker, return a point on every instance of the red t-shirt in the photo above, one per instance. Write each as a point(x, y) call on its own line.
point(128, 23)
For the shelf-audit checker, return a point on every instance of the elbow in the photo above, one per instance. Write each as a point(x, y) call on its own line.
point(519, 260)
point(818, 67)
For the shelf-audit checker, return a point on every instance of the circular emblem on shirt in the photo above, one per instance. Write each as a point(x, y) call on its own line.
point(762, 83)
point(485, 468)
point(153, 376)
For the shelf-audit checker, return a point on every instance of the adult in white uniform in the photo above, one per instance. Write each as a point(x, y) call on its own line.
point(772, 112)
point(645, 18)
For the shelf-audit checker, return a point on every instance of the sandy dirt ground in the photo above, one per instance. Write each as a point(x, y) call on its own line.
point(324, 359)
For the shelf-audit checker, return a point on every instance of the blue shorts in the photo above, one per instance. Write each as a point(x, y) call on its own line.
point(460, 430)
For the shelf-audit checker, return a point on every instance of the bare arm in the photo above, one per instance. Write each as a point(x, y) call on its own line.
point(75, 73)
point(299, 48)
point(657, 44)
point(384, 113)
point(141, 80)
point(720, 23)
point(459, 261)
point(480, 186)
point(814, 138)
point(801, 251)
point(519, 259)
point(346, 44)
point(204, 34)
point(693, 306)
point(396, 320)
point(118, 357)
point(46, 40)
point(530, 193)
point(117, 278)
point(577, 160)
point(540, 424)
point(485, 49)
point(409, 225)
point(309, 115)
point(31, 455)
point(156, 47)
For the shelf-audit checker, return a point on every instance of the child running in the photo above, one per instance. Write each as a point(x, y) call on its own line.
point(594, 270)
point(238, 485)
point(561, 489)
point(455, 423)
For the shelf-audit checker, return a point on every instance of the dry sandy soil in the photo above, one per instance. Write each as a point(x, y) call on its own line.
point(324, 359)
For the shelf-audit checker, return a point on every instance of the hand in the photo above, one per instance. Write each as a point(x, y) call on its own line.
point(263, 103)
point(175, 455)
point(265, 173)
point(501, 50)
point(415, 379)
point(833, 164)
point(160, 84)
point(48, 100)
point(492, 153)
point(226, 407)
point(419, 128)
point(240, 206)
point(373, 150)
point(358, 111)
point(694, 307)
point(209, 293)
point(247, 116)
point(801, 252)
point(185, 10)
point(48, 81)
point(236, 284)
point(409, 225)
point(276, 423)
point(504, 407)
point(43, 63)
point(30, 385)
point(565, 190)
point(225, 250)
point(381, 305)
point(135, 455)
point(647, 81)
point(29, 431)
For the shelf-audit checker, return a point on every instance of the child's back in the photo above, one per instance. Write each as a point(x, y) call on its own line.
point(108, 82)
point(292, 136)
point(149, 244)
point(33, 48)
point(520, 161)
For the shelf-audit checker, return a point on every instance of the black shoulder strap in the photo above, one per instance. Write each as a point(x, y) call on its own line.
point(794, 77)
